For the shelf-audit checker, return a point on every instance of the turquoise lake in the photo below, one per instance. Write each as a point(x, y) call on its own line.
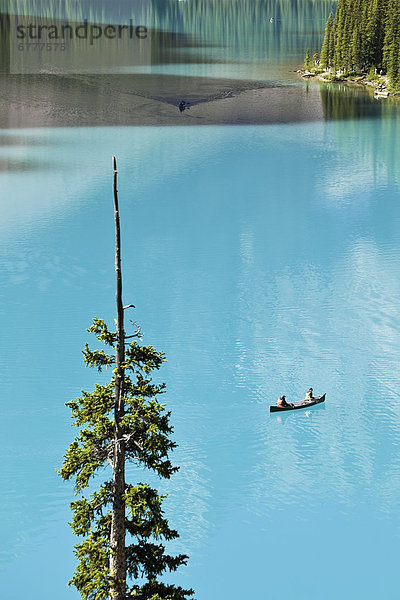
point(263, 259)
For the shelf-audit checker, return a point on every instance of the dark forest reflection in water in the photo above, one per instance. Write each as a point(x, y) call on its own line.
point(202, 31)
point(341, 101)
point(233, 60)
point(378, 142)
point(220, 55)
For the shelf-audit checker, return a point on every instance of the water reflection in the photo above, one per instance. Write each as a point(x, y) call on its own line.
point(239, 30)
point(44, 100)
point(256, 281)
point(350, 101)
point(204, 51)
point(305, 413)
point(378, 153)
point(226, 58)
point(21, 166)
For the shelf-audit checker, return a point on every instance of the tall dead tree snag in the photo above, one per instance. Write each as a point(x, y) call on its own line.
point(117, 536)
point(119, 422)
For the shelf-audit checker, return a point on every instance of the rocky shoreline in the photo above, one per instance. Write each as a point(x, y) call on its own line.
point(380, 85)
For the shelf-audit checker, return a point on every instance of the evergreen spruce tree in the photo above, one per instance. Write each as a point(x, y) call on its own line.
point(336, 54)
point(121, 421)
point(372, 34)
point(307, 61)
point(326, 51)
point(355, 59)
point(391, 48)
point(364, 36)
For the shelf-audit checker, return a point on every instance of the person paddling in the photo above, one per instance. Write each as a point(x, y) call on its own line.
point(309, 394)
point(183, 105)
point(282, 402)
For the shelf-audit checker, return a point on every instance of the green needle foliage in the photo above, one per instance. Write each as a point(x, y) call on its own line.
point(123, 526)
point(362, 37)
point(307, 60)
point(146, 433)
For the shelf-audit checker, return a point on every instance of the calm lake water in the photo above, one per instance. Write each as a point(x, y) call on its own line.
point(262, 260)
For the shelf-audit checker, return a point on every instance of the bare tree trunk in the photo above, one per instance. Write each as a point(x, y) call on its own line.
point(117, 536)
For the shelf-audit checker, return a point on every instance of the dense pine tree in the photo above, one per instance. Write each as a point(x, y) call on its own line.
point(307, 61)
point(391, 48)
point(327, 46)
point(362, 37)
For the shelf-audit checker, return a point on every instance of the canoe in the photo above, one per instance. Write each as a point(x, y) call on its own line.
point(297, 405)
